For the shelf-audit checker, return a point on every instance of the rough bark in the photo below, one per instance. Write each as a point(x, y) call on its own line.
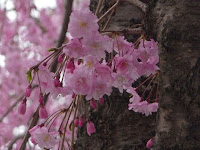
point(175, 24)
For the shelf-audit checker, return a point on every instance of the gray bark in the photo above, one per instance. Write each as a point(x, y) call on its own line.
point(177, 29)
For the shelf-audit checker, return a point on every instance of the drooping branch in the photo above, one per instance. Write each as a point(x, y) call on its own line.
point(61, 39)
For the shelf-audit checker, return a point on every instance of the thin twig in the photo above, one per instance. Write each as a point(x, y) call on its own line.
point(98, 7)
point(108, 21)
point(106, 13)
point(10, 146)
point(15, 104)
point(139, 4)
point(61, 40)
point(122, 32)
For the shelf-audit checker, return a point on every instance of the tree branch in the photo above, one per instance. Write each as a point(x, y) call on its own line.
point(15, 104)
point(106, 13)
point(61, 39)
point(138, 3)
point(14, 141)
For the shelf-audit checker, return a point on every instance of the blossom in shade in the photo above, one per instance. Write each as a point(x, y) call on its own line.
point(90, 128)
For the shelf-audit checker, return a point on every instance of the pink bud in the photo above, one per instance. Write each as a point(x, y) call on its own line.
point(73, 95)
point(90, 128)
point(81, 121)
point(60, 58)
point(56, 83)
point(70, 64)
point(93, 104)
point(45, 64)
point(79, 61)
point(41, 98)
point(76, 121)
point(149, 143)
point(43, 112)
point(28, 91)
point(22, 107)
point(101, 101)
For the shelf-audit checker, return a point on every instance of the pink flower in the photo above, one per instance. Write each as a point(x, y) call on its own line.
point(22, 107)
point(98, 89)
point(121, 81)
point(93, 45)
point(90, 128)
point(121, 45)
point(28, 91)
point(43, 112)
point(43, 138)
point(82, 23)
point(80, 82)
point(149, 143)
point(74, 49)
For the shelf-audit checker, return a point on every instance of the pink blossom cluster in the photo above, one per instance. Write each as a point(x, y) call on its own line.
point(91, 64)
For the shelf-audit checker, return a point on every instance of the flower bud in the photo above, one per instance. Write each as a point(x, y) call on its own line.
point(149, 143)
point(79, 61)
point(43, 112)
point(81, 121)
point(90, 128)
point(41, 99)
point(22, 107)
point(28, 91)
point(76, 122)
point(60, 58)
point(93, 104)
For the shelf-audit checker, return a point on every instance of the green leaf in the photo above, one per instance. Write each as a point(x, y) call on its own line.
point(52, 49)
point(29, 75)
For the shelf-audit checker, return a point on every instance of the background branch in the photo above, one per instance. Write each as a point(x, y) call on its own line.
point(61, 39)
point(15, 104)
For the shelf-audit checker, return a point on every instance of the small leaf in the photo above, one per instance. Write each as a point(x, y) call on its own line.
point(29, 76)
point(52, 49)
point(71, 125)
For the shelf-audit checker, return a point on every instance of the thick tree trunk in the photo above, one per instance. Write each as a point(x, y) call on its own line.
point(177, 29)
point(175, 25)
